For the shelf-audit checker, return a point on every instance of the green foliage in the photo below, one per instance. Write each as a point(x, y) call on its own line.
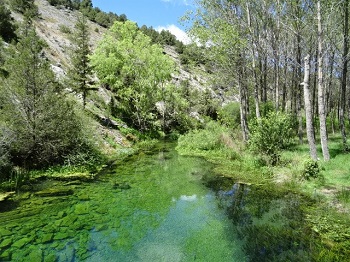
point(65, 29)
point(26, 7)
point(344, 195)
point(7, 26)
point(65, 3)
point(311, 169)
point(3, 72)
point(333, 228)
point(270, 135)
point(214, 139)
point(229, 115)
point(6, 139)
point(166, 38)
point(138, 73)
point(43, 123)
point(192, 54)
point(80, 72)
point(266, 108)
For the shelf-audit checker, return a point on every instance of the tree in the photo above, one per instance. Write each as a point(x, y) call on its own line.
point(216, 24)
point(86, 4)
point(308, 113)
point(26, 7)
point(270, 134)
point(80, 71)
point(321, 100)
point(136, 70)
point(44, 125)
point(344, 72)
point(7, 27)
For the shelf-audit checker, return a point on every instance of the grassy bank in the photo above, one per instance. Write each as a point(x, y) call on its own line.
point(326, 184)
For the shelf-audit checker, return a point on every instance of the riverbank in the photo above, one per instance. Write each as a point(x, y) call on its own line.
point(314, 211)
point(325, 184)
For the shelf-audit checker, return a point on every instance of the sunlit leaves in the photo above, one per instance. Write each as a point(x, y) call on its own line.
point(136, 70)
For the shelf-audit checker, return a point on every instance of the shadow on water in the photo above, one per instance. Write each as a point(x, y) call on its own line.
point(269, 221)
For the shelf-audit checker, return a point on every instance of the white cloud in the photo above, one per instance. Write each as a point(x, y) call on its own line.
point(179, 2)
point(176, 31)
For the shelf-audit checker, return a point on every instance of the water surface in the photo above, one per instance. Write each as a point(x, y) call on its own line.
point(151, 207)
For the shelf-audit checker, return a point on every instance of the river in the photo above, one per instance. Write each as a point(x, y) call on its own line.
point(155, 206)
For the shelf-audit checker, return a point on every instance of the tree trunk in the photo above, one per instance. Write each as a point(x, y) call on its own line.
point(243, 99)
point(321, 107)
point(298, 91)
point(253, 50)
point(344, 73)
point(308, 110)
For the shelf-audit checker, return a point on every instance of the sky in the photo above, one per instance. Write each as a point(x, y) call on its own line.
point(160, 14)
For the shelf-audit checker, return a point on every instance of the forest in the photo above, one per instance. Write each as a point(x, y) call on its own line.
point(262, 93)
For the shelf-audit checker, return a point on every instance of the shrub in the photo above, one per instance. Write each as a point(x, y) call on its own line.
point(214, 139)
point(311, 169)
point(229, 115)
point(270, 135)
point(65, 29)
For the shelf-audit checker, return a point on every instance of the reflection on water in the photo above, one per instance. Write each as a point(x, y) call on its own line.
point(270, 223)
point(157, 207)
point(149, 208)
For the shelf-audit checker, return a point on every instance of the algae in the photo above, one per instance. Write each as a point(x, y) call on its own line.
point(149, 207)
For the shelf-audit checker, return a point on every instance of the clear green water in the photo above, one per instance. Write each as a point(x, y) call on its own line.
point(148, 208)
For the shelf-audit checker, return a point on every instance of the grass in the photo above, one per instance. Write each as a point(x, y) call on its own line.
point(334, 175)
point(329, 189)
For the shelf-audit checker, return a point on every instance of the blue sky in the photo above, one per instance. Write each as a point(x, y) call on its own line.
point(160, 14)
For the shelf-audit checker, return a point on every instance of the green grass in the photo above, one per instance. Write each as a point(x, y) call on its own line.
point(330, 188)
point(334, 174)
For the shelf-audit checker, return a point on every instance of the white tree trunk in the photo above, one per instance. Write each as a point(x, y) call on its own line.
point(308, 110)
point(321, 102)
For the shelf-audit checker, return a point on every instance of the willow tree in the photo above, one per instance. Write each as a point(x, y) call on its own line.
point(136, 70)
point(215, 25)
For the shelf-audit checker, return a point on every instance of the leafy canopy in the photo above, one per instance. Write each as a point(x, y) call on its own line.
point(136, 70)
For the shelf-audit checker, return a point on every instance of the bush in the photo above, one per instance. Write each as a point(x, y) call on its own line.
point(270, 135)
point(26, 7)
point(65, 29)
point(7, 25)
point(214, 140)
point(311, 169)
point(229, 115)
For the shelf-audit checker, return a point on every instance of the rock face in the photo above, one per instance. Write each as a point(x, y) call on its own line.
point(49, 27)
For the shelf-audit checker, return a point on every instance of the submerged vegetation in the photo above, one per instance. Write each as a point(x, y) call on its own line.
point(86, 141)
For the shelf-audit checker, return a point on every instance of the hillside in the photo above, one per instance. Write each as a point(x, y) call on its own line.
point(55, 26)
